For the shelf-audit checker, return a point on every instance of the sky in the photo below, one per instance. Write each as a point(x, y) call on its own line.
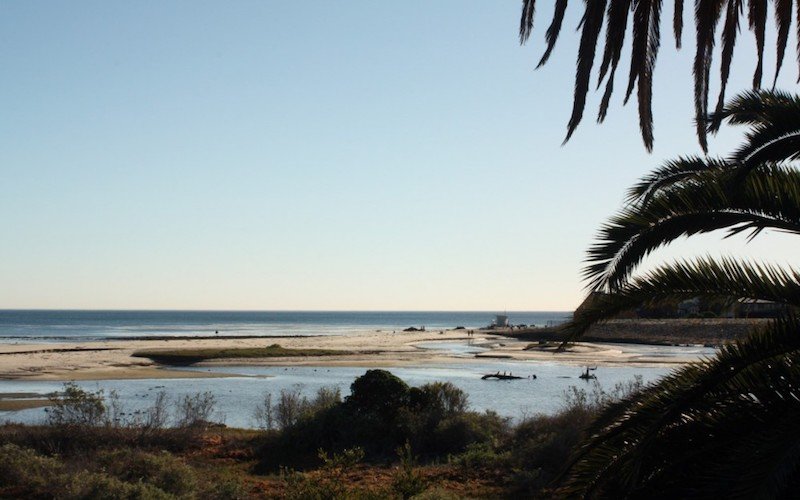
point(357, 155)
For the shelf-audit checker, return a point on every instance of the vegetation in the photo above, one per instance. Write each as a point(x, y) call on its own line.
point(444, 451)
point(643, 19)
point(189, 356)
point(722, 427)
point(381, 414)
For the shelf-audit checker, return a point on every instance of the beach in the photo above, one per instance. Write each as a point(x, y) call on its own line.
point(113, 359)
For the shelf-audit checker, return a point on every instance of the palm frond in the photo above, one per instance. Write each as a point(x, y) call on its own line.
point(781, 149)
point(774, 120)
point(729, 33)
point(677, 22)
point(707, 14)
point(706, 430)
point(671, 173)
point(526, 20)
point(592, 24)
point(645, 86)
point(553, 31)
point(616, 27)
point(783, 20)
point(797, 29)
point(757, 18)
point(768, 198)
point(704, 277)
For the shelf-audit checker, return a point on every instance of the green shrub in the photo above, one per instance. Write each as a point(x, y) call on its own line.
point(195, 411)
point(330, 483)
point(439, 398)
point(436, 494)
point(75, 406)
point(377, 393)
point(454, 434)
point(91, 486)
point(407, 481)
point(162, 470)
point(481, 456)
point(24, 468)
point(225, 488)
point(380, 414)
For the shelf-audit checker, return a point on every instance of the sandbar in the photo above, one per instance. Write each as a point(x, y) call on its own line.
point(111, 359)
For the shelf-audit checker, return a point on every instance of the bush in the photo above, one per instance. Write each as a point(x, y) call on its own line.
point(407, 482)
point(481, 456)
point(377, 393)
point(292, 406)
point(225, 488)
point(289, 408)
point(456, 433)
point(76, 406)
point(440, 398)
point(380, 414)
point(162, 470)
point(329, 483)
point(264, 414)
point(24, 468)
point(91, 486)
point(195, 411)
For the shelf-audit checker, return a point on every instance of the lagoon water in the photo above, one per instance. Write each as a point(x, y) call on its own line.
point(238, 397)
point(59, 326)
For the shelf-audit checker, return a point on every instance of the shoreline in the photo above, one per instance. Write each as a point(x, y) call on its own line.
point(112, 359)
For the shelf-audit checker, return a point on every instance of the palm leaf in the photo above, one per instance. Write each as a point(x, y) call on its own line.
point(645, 85)
point(693, 432)
point(526, 20)
point(554, 30)
point(757, 17)
point(592, 24)
point(671, 173)
point(774, 120)
point(615, 39)
point(729, 33)
point(783, 19)
point(797, 28)
point(677, 22)
point(768, 198)
point(704, 277)
point(707, 13)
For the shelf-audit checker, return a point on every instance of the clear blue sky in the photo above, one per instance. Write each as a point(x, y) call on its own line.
point(310, 155)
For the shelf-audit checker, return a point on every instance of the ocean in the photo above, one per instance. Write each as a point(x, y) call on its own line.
point(74, 325)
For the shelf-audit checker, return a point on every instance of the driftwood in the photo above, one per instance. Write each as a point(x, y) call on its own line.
point(500, 376)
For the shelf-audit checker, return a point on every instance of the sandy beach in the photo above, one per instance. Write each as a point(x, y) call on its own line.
point(104, 360)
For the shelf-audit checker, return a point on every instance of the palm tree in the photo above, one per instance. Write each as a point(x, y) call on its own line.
point(725, 426)
point(645, 26)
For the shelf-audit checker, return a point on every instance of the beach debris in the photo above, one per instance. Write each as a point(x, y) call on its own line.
point(501, 376)
point(414, 329)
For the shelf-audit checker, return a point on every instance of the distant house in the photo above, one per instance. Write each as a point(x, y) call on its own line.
point(690, 307)
point(760, 309)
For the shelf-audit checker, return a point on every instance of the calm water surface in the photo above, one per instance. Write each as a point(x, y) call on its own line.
point(238, 397)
